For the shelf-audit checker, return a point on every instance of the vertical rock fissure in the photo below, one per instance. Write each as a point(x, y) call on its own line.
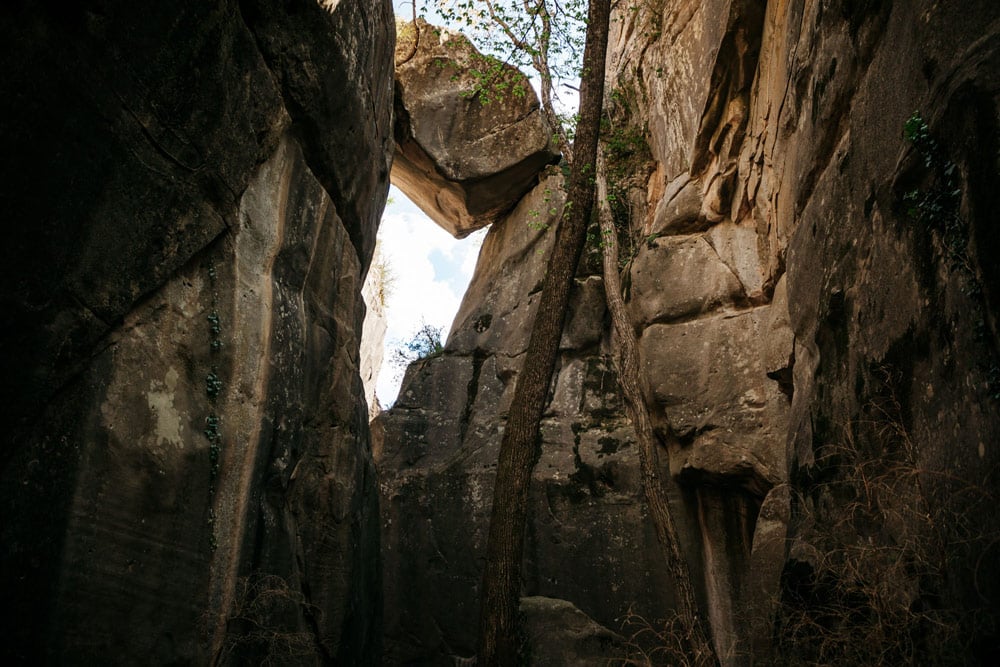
point(478, 359)
point(732, 78)
point(718, 591)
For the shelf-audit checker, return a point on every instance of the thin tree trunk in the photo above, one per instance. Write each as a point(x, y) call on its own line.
point(498, 632)
point(627, 361)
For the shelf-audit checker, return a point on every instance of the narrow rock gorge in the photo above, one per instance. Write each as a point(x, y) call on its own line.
point(805, 192)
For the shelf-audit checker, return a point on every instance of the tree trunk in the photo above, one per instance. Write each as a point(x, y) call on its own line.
point(695, 639)
point(498, 632)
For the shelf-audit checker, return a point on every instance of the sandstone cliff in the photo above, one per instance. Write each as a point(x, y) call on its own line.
point(816, 301)
point(192, 193)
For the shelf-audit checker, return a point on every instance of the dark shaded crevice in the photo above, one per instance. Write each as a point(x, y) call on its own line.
point(479, 357)
point(975, 116)
point(741, 307)
point(587, 481)
point(312, 621)
point(831, 135)
point(784, 376)
point(161, 148)
point(732, 78)
point(866, 21)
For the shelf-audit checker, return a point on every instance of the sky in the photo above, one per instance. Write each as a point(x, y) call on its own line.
point(404, 9)
point(431, 270)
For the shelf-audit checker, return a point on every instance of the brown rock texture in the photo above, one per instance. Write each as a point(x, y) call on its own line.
point(590, 542)
point(561, 635)
point(465, 159)
point(192, 194)
point(824, 358)
point(793, 313)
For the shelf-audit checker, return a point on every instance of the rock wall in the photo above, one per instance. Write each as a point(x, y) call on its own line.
point(193, 193)
point(894, 311)
point(816, 303)
point(436, 450)
point(188, 455)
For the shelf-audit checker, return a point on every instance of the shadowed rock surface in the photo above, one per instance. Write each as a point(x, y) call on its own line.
point(561, 635)
point(192, 193)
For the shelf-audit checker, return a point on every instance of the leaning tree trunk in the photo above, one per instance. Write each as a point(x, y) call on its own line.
point(519, 446)
point(694, 638)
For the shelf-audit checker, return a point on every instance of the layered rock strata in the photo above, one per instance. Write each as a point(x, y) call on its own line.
point(194, 192)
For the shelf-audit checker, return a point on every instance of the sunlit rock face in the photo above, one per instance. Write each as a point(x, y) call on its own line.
point(193, 207)
point(792, 317)
point(465, 159)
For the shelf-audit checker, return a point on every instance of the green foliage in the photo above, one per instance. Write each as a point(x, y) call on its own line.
point(627, 158)
point(918, 133)
point(545, 36)
point(213, 388)
point(383, 275)
point(425, 343)
point(936, 203)
point(539, 221)
point(213, 385)
point(519, 32)
point(993, 381)
point(597, 239)
point(625, 145)
point(214, 437)
point(646, 15)
point(494, 79)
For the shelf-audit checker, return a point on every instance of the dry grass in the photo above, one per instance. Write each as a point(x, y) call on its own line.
point(891, 563)
point(664, 642)
point(895, 555)
point(264, 625)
